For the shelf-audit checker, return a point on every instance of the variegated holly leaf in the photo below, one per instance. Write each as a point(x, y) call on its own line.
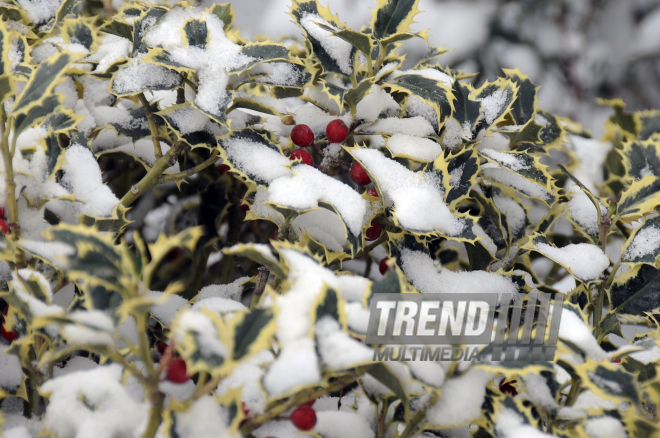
point(262, 52)
point(393, 16)
point(640, 199)
point(137, 76)
point(433, 92)
point(224, 12)
point(496, 100)
point(149, 18)
point(467, 112)
point(81, 31)
point(609, 381)
point(636, 292)
point(524, 107)
point(158, 250)
point(7, 35)
point(331, 52)
point(522, 172)
point(641, 158)
point(42, 83)
point(458, 173)
point(647, 122)
point(259, 253)
point(191, 125)
point(643, 245)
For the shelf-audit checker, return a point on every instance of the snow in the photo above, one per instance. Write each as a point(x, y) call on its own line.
point(417, 107)
point(338, 49)
point(218, 305)
point(414, 126)
point(82, 177)
point(75, 364)
point(340, 424)
point(337, 349)
point(256, 159)
point(278, 73)
point(605, 427)
point(515, 213)
point(112, 49)
point(423, 274)
point(592, 154)
point(247, 376)
point(307, 187)
point(510, 424)
point(279, 428)
point(460, 401)
point(40, 11)
point(584, 260)
point(508, 178)
point(296, 365)
point(322, 225)
point(114, 414)
point(212, 63)
point(94, 328)
point(430, 373)
point(454, 134)
point(583, 211)
point(55, 252)
point(491, 106)
point(11, 374)
point(204, 331)
point(573, 329)
point(417, 148)
point(538, 392)
point(509, 160)
point(418, 197)
point(645, 242)
point(205, 418)
point(138, 76)
point(495, 141)
point(167, 311)
point(232, 291)
point(317, 119)
point(377, 102)
point(331, 153)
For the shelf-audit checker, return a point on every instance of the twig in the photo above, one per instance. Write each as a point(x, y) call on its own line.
point(189, 172)
point(262, 280)
point(151, 178)
point(155, 138)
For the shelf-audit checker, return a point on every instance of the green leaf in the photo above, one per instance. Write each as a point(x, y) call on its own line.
point(458, 174)
point(640, 199)
point(49, 105)
point(434, 52)
point(254, 136)
point(381, 372)
point(196, 33)
point(355, 95)
point(529, 133)
point(118, 28)
point(496, 99)
point(80, 31)
point(43, 81)
point(255, 105)
point(392, 16)
point(648, 122)
point(66, 7)
point(431, 91)
point(618, 383)
point(636, 292)
point(328, 305)
point(609, 324)
point(138, 127)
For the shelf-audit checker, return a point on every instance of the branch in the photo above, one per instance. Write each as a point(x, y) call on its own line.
point(151, 178)
point(155, 138)
point(189, 172)
point(260, 286)
point(300, 398)
point(10, 188)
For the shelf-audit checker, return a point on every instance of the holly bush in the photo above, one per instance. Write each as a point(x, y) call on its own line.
point(194, 226)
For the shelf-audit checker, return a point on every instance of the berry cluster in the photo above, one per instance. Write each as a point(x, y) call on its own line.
point(303, 136)
point(7, 334)
point(3, 223)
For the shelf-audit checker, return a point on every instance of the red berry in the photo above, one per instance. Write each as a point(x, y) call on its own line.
point(382, 266)
point(161, 347)
point(223, 168)
point(616, 361)
point(3, 227)
point(299, 154)
point(245, 207)
point(373, 192)
point(176, 371)
point(8, 335)
point(274, 235)
point(374, 231)
point(336, 131)
point(304, 418)
point(2, 212)
point(358, 174)
point(245, 410)
point(302, 136)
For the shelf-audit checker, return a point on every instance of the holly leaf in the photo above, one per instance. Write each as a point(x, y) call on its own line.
point(640, 199)
point(393, 16)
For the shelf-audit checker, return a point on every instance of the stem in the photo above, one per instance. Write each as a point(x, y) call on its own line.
point(151, 178)
point(262, 280)
point(572, 395)
point(155, 414)
point(10, 188)
point(382, 239)
point(155, 138)
point(419, 417)
point(300, 398)
point(189, 172)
